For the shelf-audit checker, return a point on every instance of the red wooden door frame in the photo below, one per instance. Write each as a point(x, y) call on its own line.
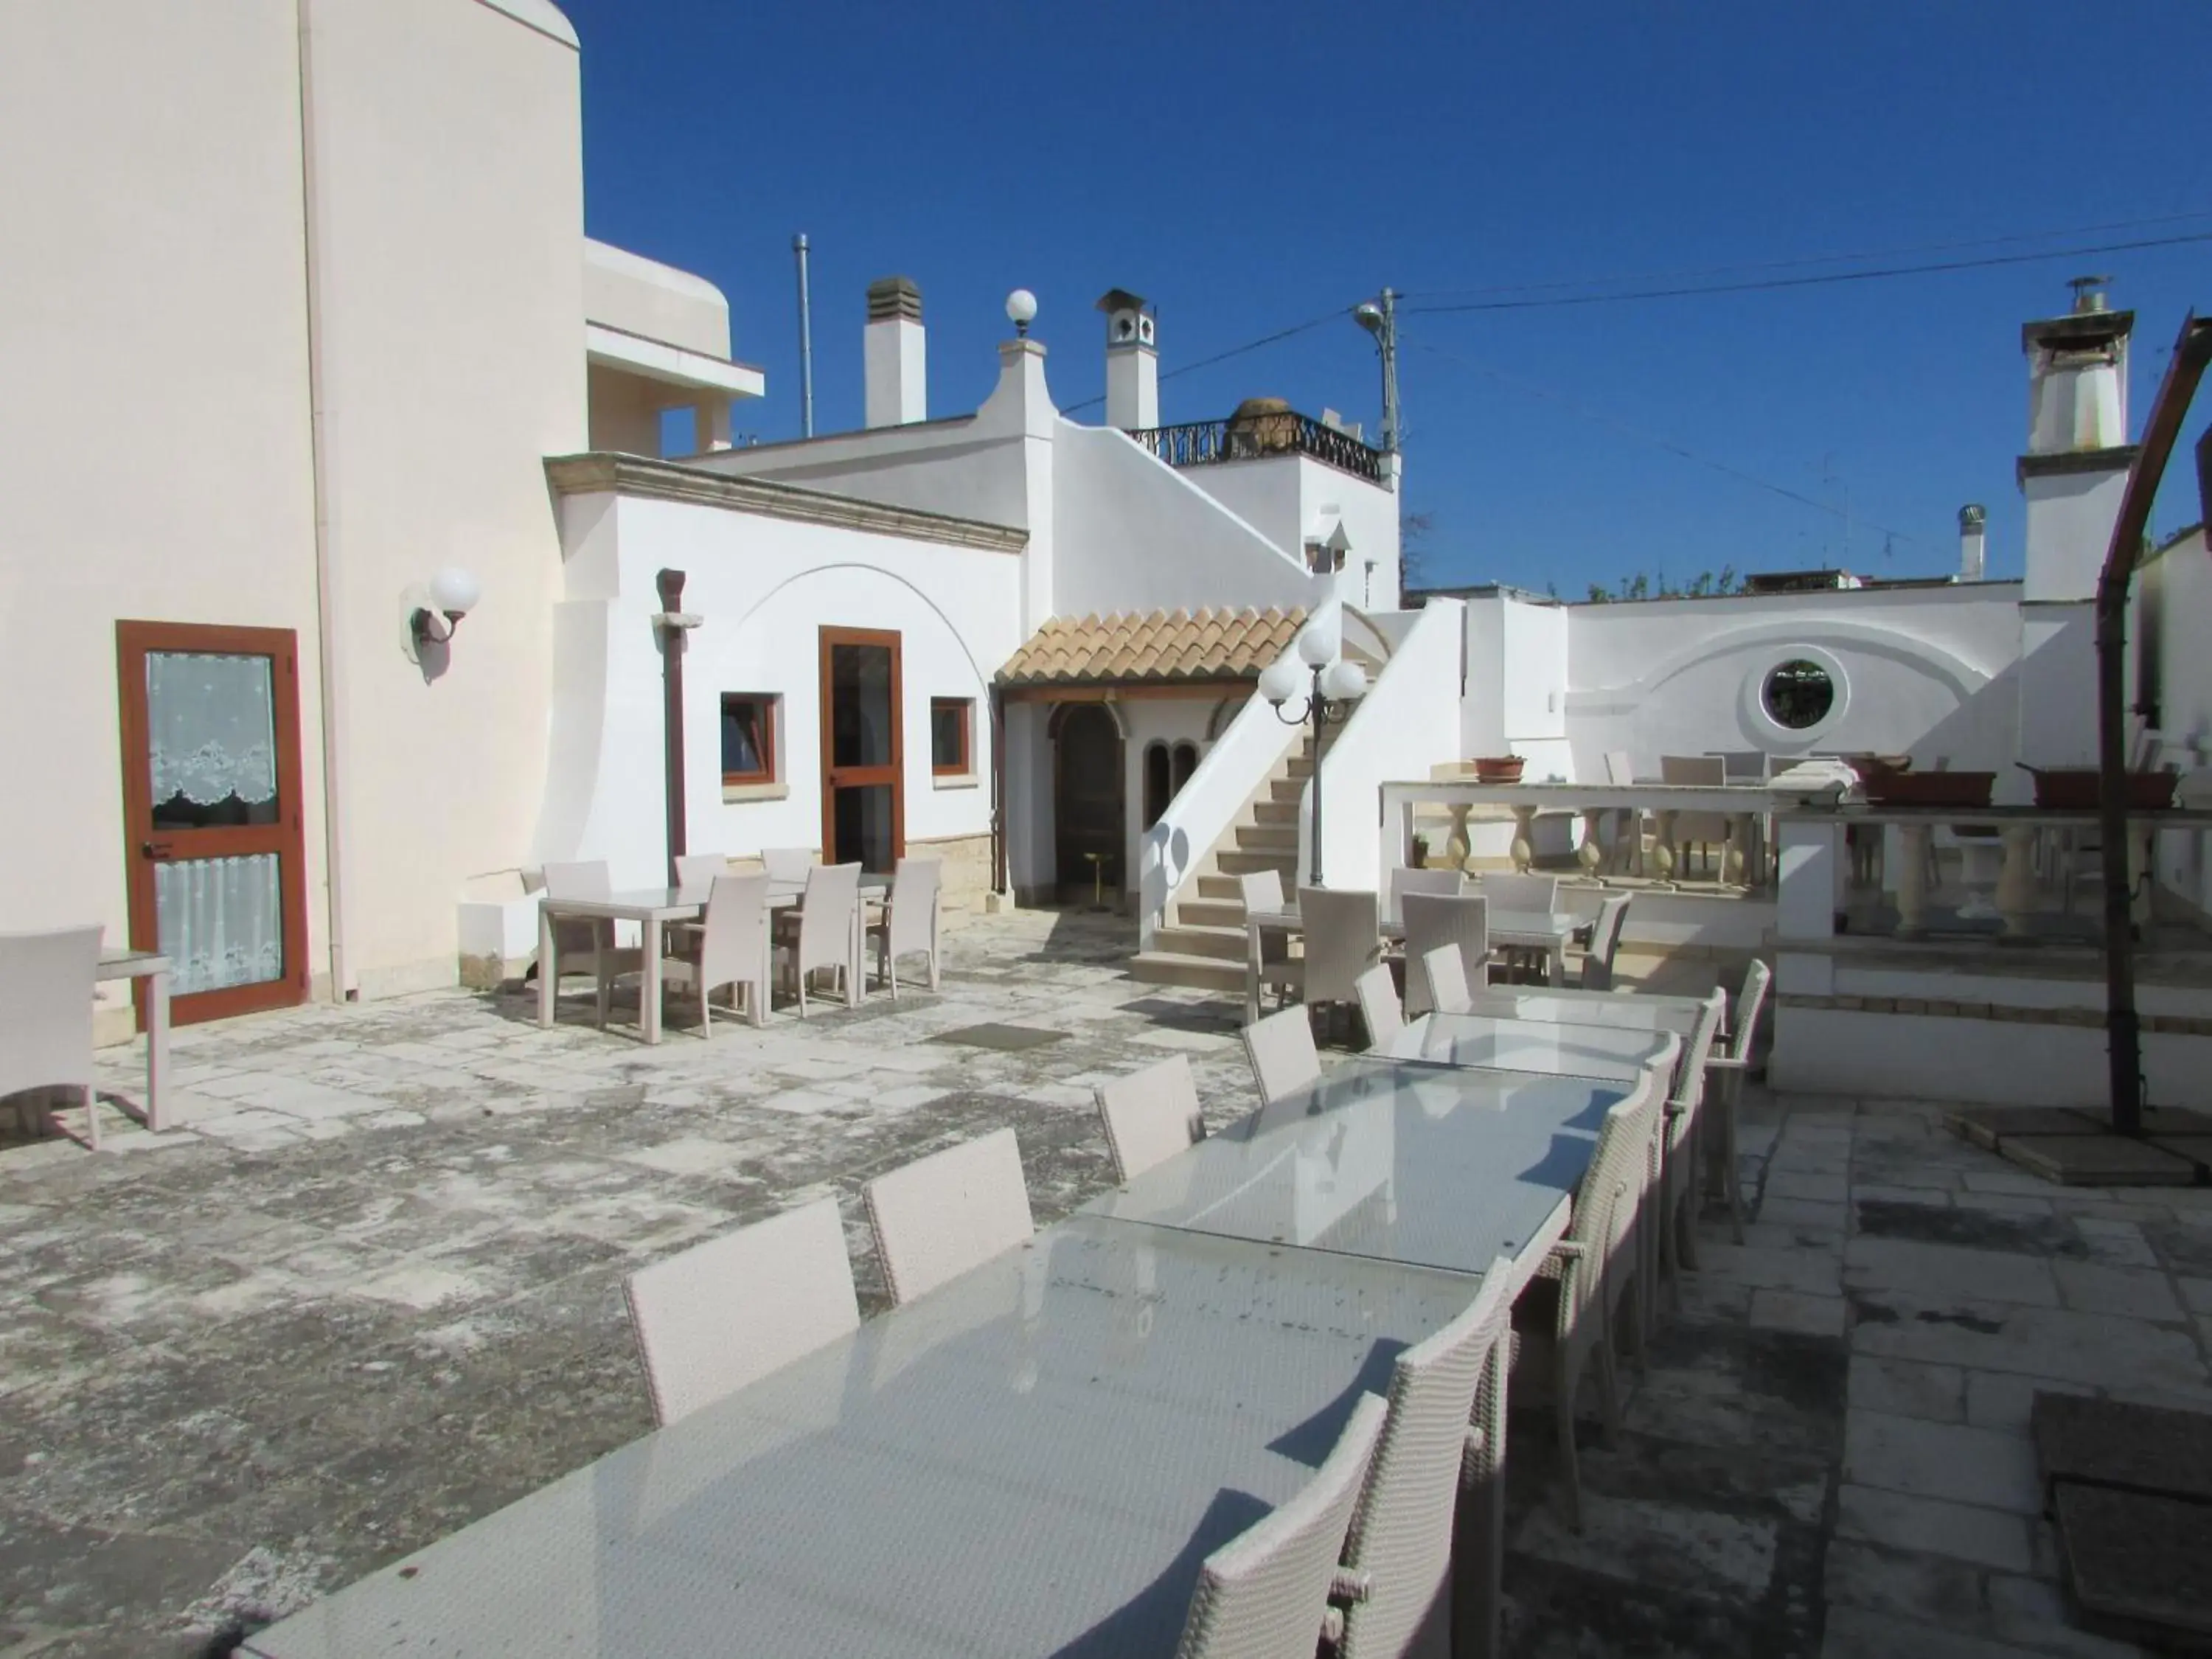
point(835, 777)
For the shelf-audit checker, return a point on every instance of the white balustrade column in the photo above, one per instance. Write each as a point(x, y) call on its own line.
point(1911, 878)
point(2015, 894)
point(1524, 837)
point(1589, 854)
point(1457, 844)
point(1663, 851)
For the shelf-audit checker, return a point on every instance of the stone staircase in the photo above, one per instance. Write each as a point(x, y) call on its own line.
point(1201, 943)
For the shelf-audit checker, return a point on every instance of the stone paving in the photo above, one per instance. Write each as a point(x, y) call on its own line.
point(373, 1292)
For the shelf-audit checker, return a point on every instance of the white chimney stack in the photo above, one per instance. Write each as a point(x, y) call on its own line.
point(1133, 363)
point(896, 355)
point(2077, 376)
point(1974, 519)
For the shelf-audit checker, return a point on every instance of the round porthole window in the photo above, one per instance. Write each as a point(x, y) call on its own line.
point(1798, 695)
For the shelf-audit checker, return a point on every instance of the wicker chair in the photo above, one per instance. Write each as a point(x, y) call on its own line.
point(728, 947)
point(1265, 1594)
point(1443, 971)
point(1282, 1053)
point(1150, 1115)
point(936, 1218)
point(1379, 1010)
point(1705, 830)
point(1440, 1426)
point(1605, 943)
point(786, 866)
point(1728, 1071)
point(47, 984)
point(909, 927)
point(1262, 889)
point(1525, 892)
point(821, 935)
point(1433, 921)
point(696, 873)
point(1449, 883)
point(1683, 1144)
point(1568, 1310)
point(587, 944)
point(1344, 939)
point(734, 1309)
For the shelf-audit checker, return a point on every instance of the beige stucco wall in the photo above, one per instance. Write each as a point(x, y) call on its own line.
point(154, 429)
point(452, 308)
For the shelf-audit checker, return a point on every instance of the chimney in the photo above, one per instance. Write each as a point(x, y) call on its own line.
point(895, 355)
point(2077, 374)
point(1133, 363)
point(1972, 521)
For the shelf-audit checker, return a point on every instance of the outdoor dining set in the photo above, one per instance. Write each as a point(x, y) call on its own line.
point(1251, 1401)
point(716, 930)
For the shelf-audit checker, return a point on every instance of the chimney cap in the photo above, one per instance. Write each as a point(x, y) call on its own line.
point(1973, 516)
point(1120, 298)
point(890, 297)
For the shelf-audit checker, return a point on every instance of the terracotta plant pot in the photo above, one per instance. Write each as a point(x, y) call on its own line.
point(1498, 768)
point(1962, 789)
point(2073, 789)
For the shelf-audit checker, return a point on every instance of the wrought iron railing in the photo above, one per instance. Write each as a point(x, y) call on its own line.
point(1255, 437)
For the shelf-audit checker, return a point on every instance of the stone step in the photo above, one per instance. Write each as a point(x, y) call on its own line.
point(1212, 912)
point(1235, 861)
point(1187, 939)
point(1200, 973)
point(1268, 837)
point(1286, 790)
point(1222, 887)
point(1276, 811)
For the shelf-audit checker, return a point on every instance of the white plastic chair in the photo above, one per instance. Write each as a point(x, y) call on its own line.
point(1262, 889)
point(1567, 1312)
point(939, 1216)
point(1443, 971)
point(909, 927)
point(1343, 938)
point(729, 947)
point(724, 1313)
point(826, 931)
point(1150, 1115)
point(786, 866)
point(1605, 942)
point(585, 945)
point(1282, 1053)
point(1433, 921)
point(1728, 1071)
point(1449, 883)
point(1379, 1010)
point(1265, 1594)
point(47, 984)
point(1399, 1555)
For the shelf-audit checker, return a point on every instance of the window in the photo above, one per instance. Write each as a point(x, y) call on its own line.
point(748, 738)
point(1157, 788)
point(1799, 693)
point(1186, 763)
point(951, 723)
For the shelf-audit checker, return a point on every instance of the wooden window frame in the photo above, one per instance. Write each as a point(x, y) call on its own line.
point(767, 702)
point(965, 768)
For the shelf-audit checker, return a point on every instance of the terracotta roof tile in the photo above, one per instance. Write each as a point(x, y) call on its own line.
point(1156, 645)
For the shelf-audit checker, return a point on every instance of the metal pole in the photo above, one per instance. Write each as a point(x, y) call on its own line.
point(806, 343)
point(671, 584)
point(1387, 338)
point(1318, 714)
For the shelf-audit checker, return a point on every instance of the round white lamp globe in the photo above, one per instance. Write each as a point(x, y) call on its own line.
point(1021, 308)
point(1317, 645)
point(1279, 681)
point(455, 590)
point(1343, 680)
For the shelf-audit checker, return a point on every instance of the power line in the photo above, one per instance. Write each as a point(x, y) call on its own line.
point(1779, 283)
point(1808, 259)
point(1310, 324)
point(1667, 444)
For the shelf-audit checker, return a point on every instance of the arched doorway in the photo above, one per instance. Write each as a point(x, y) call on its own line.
point(1086, 802)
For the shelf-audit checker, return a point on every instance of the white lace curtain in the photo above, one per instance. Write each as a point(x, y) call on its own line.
point(221, 921)
point(212, 728)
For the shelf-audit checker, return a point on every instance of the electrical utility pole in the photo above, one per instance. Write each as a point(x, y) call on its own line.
point(806, 343)
point(1379, 317)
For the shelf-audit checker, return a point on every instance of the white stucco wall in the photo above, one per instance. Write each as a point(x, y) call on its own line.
point(1288, 498)
point(1924, 671)
point(2183, 573)
point(765, 587)
point(2059, 685)
point(1168, 720)
point(638, 295)
point(2070, 517)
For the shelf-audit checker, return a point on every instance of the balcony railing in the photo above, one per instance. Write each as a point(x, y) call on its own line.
point(1256, 437)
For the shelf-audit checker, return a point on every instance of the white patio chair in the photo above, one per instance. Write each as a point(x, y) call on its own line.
point(722, 1314)
point(1449, 883)
point(786, 866)
point(1705, 830)
point(1444, 970)
point(1525, 893)
point(1343, 938)
point(909, 923)
point(1282, 1053)
point(1379, 1010)
point(1681, 1145)
point(1605, 942)
point(1568, 1310)
point(1434, 922)
point(1265, 1594)
point(936, 1218)
point(824, 932)
point(728, 947)
point(1150, 1115)
point(47, 984)
point(585, 945)
point(1262, 889)
point(1399, 1556)
point(696, 872)
point(1727, 1071)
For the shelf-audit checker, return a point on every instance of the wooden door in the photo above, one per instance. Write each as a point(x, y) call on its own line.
point(213, 848)
point(863, 749)
point(1087, 804)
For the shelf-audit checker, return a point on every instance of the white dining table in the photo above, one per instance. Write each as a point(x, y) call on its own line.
point(655, 909)
point(154, 968)
point(1505, 1044)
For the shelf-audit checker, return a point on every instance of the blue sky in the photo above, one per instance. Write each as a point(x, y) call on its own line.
point(1250, 167)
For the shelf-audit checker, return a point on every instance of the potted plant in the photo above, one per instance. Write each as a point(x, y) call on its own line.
point(1498, 769)
point(1420, 852)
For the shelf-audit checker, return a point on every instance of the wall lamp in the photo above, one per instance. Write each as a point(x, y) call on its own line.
point(453, 593)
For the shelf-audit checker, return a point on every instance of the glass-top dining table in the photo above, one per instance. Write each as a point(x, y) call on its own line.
point(1548, 931)
point(1501, 1043)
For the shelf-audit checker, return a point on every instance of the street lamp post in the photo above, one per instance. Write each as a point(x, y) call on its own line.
point(1336, 684)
